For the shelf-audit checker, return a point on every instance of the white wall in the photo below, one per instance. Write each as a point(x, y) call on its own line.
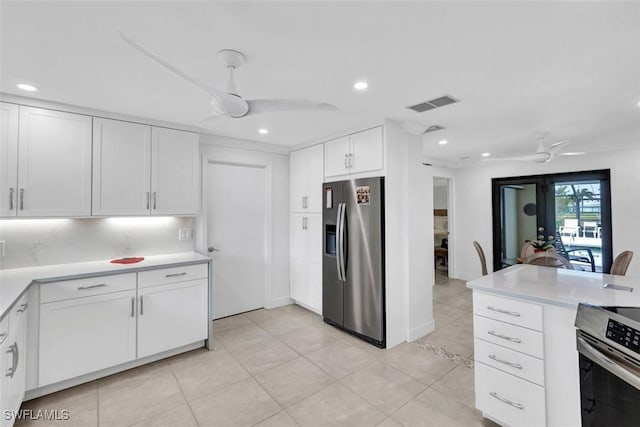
point(474, 203)
point(235, 151)
point(32, 242)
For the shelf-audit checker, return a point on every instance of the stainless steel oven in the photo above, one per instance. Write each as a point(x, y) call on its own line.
point(608, 341)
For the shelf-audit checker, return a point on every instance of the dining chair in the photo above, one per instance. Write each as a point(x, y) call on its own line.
point(621, 263)
point(548, 259)
point(483, 260)
point(580, 255)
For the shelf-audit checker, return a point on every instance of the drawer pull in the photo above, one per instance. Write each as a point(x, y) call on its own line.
point(505, 337)
point(3, 337)
point(500, 310)
point(505, 362)
point(176, 274)
point(23, 308)
point(133, 304)
point(507, 401)
point(101, 285)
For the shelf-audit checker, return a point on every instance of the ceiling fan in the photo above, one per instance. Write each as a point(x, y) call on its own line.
point(229, 103)
point(543, 153)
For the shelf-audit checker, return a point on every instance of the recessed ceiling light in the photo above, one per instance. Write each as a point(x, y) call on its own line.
point(361, 85)
point(263, 131)
point(443, 142)
point(28, 88)
point(486, 154)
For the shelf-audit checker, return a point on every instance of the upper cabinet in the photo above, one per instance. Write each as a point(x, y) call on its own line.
point(141, 170)
point(49, 174)
point(354, 154)
point(306, 176)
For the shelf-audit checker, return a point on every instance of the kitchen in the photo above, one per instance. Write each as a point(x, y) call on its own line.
point(236, 141)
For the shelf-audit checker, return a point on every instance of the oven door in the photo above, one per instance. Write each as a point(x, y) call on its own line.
point(609, 387)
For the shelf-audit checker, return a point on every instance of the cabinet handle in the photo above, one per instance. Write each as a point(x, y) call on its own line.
point(304, 202)
point(11, 199)
point(350, 160)
point(175, 274)
point(15, 357)
point(346, 161)
point(141, 305)
point(505, 400)
point(155, 200)
point(148, 199)
point(22, 199)
point(505, 337)
point(101, 285)
point(505, 362)
point(3, 337)
point(23, 308)
point(133, 304)
point(500, 310)
point(304, 223)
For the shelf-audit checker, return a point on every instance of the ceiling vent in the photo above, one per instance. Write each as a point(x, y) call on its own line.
point(434, 103)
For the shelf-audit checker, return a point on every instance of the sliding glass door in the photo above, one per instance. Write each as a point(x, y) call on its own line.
point(574, 208)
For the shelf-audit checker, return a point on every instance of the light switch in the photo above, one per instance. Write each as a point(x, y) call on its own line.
point(185, 233)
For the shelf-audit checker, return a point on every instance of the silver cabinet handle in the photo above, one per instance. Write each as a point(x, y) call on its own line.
point(155, 200)
point(175, 274)
point(11, 199)
point(101, 285)
point(141, 305)
point(346, 161)
point(350, 160)
point(505, 400)
point(505, 362)
point(305, 223)
point(15, 356)
point(3, 337)
point(133, 304)
point(23, 308)
point(148, 199)
point(500, 310)
point(505, 337)
point(305, 204)
point(22, 199)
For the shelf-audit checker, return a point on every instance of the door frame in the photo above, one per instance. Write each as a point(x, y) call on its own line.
point(202, 244)
point(451, 258)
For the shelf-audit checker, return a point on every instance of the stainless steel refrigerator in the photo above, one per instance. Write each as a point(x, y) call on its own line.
point(353, 296)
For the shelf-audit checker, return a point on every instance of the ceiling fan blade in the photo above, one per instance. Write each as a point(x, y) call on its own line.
point(210, 117)
point(272, 105)
point(205, 87)
point(537, 157)
point(555, 147)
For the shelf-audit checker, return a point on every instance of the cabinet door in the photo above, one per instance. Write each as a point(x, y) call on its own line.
point(8, 159)
point(336, 157)
point(298, 250)
point(314, 262)
point(175, 172)
point(298, 178)
point(5, 363)
point(105, 337)
point(367, 150)
point(15, 372)
point(54, 163)
point(121, 168)
point(170, 316)
point(315, 177)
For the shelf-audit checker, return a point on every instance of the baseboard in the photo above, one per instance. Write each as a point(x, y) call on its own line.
point(278, 302)
point(421, 330)
point(319, 312)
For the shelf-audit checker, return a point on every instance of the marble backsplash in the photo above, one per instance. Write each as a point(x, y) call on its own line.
point(32, 242)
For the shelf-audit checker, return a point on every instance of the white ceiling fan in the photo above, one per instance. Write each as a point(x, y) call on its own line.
point(543, 153)
point(229, 103)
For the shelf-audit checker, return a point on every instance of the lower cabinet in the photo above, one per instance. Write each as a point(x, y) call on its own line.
point(306, 260)
point(12, 348)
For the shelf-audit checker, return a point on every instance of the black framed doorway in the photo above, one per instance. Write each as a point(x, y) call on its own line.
point(574, 207)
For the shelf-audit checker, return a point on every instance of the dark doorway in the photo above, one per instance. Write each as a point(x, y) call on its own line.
point(574, 208)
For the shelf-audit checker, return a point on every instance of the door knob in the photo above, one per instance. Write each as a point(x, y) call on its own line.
point(212, 249)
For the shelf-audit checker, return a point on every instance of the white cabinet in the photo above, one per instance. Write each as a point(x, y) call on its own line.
point(354, 154)
point(105, 337)
point(141, 170)
point(306, 260)
point(306, 175)
point(8, 158)
point(13, 357)
point(53, 161)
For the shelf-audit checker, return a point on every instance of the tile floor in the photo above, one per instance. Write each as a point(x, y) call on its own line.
point(285, 367)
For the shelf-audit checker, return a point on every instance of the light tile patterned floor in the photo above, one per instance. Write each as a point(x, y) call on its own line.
point(285, 367)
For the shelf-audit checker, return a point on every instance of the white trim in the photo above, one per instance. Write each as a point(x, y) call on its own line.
point(243, 144)
point(279, 302)
point(339, 134)
point(421, 330)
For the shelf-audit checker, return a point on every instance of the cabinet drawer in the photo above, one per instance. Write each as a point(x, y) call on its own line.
point(510, 336)
point(79, 288)
point(513, 362)
point(509, 399)
point(508, 310)
point(163, 276)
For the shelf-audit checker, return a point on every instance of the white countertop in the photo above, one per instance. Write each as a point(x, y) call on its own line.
point(559, 286)
point(14, 282)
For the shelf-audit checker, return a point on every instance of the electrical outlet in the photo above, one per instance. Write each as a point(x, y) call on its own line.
point(2, 246)
point(185, 233)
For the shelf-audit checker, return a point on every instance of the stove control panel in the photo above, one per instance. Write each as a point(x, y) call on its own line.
point(624, 335)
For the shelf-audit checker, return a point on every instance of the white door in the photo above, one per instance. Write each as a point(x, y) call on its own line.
point(314, 261)
point(8, 159)
point(367, 150)
point(236, 228)
point(336, 157)
point(298, 259)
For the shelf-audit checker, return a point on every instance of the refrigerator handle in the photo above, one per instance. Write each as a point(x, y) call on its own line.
point(343, 268)
point(339, 241)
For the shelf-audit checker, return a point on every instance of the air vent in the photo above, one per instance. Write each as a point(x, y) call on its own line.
point(434, 103)
point(434, 128)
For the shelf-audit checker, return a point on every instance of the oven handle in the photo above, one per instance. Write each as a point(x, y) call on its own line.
point(610, 365)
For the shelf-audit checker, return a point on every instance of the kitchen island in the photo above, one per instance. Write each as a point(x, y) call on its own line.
point(525, 340)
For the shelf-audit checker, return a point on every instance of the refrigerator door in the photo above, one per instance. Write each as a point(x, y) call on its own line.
point(331, 274)
point(364, 232)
